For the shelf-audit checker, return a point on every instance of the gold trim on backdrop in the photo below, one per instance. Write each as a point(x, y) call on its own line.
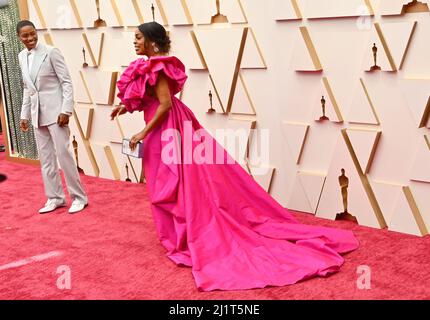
point(87, 43)
point(102, 41)
point(372, 106)
point(374, 146)
point(311, 48)
point(237, 70)
point(415, 210)
point(112, 88)
point(303, 139)
point(187, 11)
point(24, 12)
point(90, 123)
point(138, 11)
point(427, 140)
point(76, 12)
point(272, 175)
point(87, 90)
point(373, 152)
point(426, 115)
point(87, 145)
point(20, 160)
point(97, 62)
point(112, 162)
point(40, 14)
point(299, 157)
point(260, 52)
point(121, 132)
point(87, 132)
point(217, 93)
point(269, 188)
point(365, 182)
point(5, 132)
point(162, 12)
point(369, 7)
point(297, 9)
point(333, 99)
point(117, 13)
point(48, 39)
point(199, 50)
point(408, 45)
point(248, 97)
point(385, 45)
point(242, 10)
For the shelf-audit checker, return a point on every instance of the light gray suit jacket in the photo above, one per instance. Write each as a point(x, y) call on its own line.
point(48, 89)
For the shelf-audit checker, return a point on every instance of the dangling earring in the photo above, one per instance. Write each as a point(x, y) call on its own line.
point(156, 50)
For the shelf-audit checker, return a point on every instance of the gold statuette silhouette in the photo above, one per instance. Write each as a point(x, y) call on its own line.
point(218, 17)
point(75, 149)
point(323, 117)
point(375, 67)
point(211, 102)
point(85, 64)
point(153, 12)
point(344, 184)
point(128, 177)
point(414, 7)
point(99, 22)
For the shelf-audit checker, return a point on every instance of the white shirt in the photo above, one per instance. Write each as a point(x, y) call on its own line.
point(30, 57)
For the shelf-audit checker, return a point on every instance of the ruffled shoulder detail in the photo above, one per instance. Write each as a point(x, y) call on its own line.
point(141, 73)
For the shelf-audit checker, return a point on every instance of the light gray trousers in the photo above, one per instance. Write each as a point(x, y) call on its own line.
point(53, 144)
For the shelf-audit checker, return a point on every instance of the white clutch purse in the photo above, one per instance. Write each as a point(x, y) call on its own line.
point(136, 153)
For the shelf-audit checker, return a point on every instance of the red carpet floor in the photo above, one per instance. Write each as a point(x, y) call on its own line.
point(113, 253)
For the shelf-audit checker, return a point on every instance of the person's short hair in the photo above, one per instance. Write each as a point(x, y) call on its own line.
point(24, 23)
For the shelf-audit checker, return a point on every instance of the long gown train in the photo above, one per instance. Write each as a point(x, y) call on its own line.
point(214, 217)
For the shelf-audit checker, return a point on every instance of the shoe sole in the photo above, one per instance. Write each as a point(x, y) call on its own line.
point(45, 212)
point(79, 210)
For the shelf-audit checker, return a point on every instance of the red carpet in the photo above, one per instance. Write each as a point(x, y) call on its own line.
point(113, 253)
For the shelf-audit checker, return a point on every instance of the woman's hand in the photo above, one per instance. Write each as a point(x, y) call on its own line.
point(137, 138)
point(117, 111)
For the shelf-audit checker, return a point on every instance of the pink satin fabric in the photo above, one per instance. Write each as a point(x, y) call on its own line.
point(214, 217)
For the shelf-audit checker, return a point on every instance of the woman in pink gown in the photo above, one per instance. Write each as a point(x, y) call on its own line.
point(213, 217)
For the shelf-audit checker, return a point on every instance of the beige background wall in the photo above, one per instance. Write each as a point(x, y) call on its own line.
point(292, 53)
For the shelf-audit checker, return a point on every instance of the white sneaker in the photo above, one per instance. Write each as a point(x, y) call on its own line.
point(77, 206)
point(51, 205)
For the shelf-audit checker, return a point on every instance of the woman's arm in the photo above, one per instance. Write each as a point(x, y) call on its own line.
point(117, 111)
point(162, 93)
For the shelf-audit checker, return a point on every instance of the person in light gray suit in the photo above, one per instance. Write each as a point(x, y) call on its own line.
point(48, 102)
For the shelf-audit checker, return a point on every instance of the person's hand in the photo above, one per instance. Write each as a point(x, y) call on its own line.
point(136, 139)
point(117, 111)
point(24, 125)
point(63, 120)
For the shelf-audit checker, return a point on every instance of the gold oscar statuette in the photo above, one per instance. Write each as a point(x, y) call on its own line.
point(344, 184)
point(218, 17)
point(415, 6)
point(128, 177)
point(153, 12)
point(323, 117)
point(375, 67)
point(75, 149)
point(99, 22)
point(211, 102)
point(85, 64)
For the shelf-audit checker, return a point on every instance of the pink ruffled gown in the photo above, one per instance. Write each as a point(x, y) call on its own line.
point(214, 217)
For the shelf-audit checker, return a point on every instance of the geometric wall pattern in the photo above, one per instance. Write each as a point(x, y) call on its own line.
point(282, 62)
